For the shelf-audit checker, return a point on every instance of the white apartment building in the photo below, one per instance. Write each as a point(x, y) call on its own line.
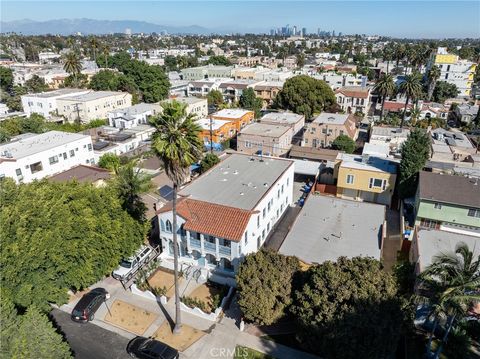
point(217, 228)
point(336, 81)
point(45, 103)
point(195, 106)
point(31, 156)
point(134, 115)
point(206, 72)
point(454, 70)
point(352, 99)
point(203, 87)
point(92, 105)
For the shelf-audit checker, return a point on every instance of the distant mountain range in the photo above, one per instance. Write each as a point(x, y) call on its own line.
point(97, 27)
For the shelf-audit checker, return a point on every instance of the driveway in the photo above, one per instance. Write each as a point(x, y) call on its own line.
point(89, 340)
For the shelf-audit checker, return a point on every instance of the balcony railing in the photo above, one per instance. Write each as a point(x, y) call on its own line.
point(209, 246)
point(225, 250)
point(195, 243)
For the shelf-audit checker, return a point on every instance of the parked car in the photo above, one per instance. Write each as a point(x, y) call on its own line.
point(129, 265)
point(85, 309)
point(141, 347)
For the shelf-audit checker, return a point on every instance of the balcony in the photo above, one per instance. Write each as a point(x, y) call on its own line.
point(195, 243)
point(209, 246)
point(225, 250)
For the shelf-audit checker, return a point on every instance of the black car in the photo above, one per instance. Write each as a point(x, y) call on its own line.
point(145, 348)
point(85, 309)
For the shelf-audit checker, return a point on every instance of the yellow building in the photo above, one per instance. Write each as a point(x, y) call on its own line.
point(365, 178)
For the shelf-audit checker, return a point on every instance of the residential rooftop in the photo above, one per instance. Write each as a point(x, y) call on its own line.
point(187, 100)
point(451, 189)
point(238, 181)
point(56, 93)
point(231, 113)
point(93, 95)
point(137, 109)
point(367, 163)
point(312, 153)
point(389, 132)
point(82, 173)
point(442, 137)
point(328, 227)
point(205, 123)
point(32, 144)
point(264, 130)
point(282, 118)
point(331, 118)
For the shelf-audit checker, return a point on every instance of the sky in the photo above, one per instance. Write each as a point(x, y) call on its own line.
point(416, 19)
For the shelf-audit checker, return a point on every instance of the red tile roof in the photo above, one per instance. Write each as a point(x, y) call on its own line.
point(212, 219)
point(394, 106)
point(352, 92)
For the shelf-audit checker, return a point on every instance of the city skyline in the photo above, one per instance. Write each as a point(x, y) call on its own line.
point(409, 19)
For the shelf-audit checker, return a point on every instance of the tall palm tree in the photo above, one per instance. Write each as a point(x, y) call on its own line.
point(411, 88)
point(387, 56)
point(433, 75)
point(385, 86)
point(106, 53)
point(94, 45)
point(72, 63)
point(450, 285)
point(178, 146)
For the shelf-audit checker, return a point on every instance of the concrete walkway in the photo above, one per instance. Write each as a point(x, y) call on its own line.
point(393, 242)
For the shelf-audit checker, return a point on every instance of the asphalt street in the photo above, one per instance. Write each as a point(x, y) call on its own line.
point(89, 341)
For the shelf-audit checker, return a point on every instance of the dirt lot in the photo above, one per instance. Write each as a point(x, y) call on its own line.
point(181, 341)
point(129, 317)
point(162, 278)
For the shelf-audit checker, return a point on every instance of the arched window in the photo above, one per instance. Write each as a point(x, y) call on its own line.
point(168, 226)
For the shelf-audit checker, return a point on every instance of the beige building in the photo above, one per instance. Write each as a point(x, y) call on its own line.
point(326, 127)
point(92, 105)
point(266, 139)
point(352, 99)
point(196, 106)
point(297, 122)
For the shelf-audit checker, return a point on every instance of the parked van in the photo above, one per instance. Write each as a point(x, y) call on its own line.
point(127, 266)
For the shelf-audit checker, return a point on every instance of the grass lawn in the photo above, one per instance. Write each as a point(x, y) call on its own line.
point(129, 317)
point(247, 353)
point(181, 341)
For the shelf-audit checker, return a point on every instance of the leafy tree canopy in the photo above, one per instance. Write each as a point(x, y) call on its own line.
point(215, 97)
point(109, 161)
point(344, 143)
point(6, 78)
point(36, 84)
point(305, 95)
point(415, 153)
point(249, 101)
point(443, 91)
point(348, 309)
point(60, 236)
point(264, 283)
point(219, 60)
point(209, 161)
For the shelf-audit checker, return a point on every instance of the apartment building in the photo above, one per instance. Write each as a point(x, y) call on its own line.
point(336, 80)
point(31, 156)
point(466, 113)
point(232, 90)
point(448, 203)
point(239, 117)
point(92, 105)
point(352, 99)
point(394, 137)
point(206, 72)
point(226, 214)
point(451, 147)
point(365, 178)
point(45, 103)
point(267, 91)
point(293, 120)
point(219, 130)
point(132, 116)
point(201, 88)
point(454, 70)
point(326, 127)
point(265, 139)
point(194, 105)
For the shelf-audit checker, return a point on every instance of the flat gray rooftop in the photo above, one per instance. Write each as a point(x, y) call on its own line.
point(55, 93)
point(281, 118)
point(30, 145)
point(238, 181)
point(329, 227)
point(264, 130)
point(331, 118)
point(94, 95)
point(433, 242)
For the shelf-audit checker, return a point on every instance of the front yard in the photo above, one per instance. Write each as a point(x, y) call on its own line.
point(182, 341)
point(163, 281)
point(129, 317)
point(206, 297)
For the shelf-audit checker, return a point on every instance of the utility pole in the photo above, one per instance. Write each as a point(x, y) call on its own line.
point(211, 135)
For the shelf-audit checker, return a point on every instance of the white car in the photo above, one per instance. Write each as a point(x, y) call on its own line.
point(129, 265)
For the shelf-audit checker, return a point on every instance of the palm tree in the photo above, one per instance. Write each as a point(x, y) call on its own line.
point(72, 63)
point(178, 146)
point(94, 45)
point(384, 87)
point(433, 75)
point(106, 53)
point(130, 183)
point(450, 285)
point(411, 88)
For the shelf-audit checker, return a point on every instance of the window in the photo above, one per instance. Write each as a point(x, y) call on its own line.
point(211, 239)
point(168, 226)
point(473, 212)
point(268, 206)
point(72, 153)
point(258, 221)
point(376, 183)
point(246, 238)
point(264, 212)
point(350, 179)
point(437, 206)
point(278, 194)
point(89, 146)
point(53, 160)
point(18, 171)
point(64, 155)
point(36, 167)
point(282, 188)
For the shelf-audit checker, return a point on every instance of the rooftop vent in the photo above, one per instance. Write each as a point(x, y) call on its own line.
point(265, 184)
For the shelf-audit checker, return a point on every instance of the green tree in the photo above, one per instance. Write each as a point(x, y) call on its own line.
point(94, 45)
point(209, 161)
point(415, 153)
point(6, 78)
point(130, 183)
point(60, 236)
point(305, 95)
point(348, 309)
point(35, 337)
point(385, 87)
point(250, 101)
point(104, 80)
point(215, 98)
point(344, 143)
point(450, 286)
point(177, 145)
point(72, 63)
point(433, 75)
point(411, 88)
point(76, 81)
point(264, 283)
point(300, 60)
point(219, 60)
point(36, 84)
point(444, 90)
point(109, 161)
